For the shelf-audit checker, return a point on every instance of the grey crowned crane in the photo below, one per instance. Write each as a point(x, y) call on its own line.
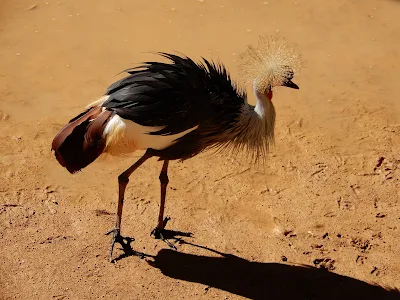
point(177, 110)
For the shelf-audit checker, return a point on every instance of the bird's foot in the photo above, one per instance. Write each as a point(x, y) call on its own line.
point(164, 234)
point(116, 238)
point(124, 242)
point(160, 234)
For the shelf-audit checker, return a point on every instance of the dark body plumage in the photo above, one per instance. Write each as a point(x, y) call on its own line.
point(178, 95)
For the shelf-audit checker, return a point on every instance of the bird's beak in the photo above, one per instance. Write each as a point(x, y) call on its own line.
point(291, 84)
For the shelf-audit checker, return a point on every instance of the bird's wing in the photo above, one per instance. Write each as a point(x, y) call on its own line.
point(177, 96)
point(151, 101)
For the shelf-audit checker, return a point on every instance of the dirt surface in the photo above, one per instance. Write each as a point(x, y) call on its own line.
point(321, 221)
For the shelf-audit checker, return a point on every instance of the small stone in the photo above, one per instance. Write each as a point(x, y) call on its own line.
point(32, 7)
point(289, 233)
point(317, 261)
point(284, 258)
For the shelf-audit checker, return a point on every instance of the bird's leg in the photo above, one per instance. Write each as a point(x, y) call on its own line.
point(164, 183)
point(123, 180)
point(158, 231)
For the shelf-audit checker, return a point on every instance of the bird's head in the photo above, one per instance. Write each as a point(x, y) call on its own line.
point(286, 80)
point(272, 64)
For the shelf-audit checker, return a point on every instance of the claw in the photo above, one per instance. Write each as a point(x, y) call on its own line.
point(166, 221)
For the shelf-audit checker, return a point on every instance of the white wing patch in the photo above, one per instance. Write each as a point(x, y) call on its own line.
point(124, 136)
point(98, 102)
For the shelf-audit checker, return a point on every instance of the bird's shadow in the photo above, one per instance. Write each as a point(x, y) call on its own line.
point(258, 280)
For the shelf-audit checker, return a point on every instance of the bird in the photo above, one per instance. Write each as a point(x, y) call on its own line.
point(176, 109)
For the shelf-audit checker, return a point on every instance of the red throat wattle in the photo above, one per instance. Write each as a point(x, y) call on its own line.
point(269, 95)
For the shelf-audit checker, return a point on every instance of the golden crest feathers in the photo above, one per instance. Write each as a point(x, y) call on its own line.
point(270, 63)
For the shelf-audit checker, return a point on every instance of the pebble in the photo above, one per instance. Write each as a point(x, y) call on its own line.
point(32, 7)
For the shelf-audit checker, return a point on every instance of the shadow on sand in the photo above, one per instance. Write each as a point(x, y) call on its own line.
point(256, 280)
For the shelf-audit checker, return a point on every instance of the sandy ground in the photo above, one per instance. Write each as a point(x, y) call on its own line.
point(321, 221)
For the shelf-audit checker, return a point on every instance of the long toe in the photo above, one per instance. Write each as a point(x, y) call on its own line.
point(162, 234)
point(166, 235)
point(116, 237)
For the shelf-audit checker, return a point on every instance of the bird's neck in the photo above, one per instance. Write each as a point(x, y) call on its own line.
point(264, 107)
point(264, 114)
point(254, 129)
